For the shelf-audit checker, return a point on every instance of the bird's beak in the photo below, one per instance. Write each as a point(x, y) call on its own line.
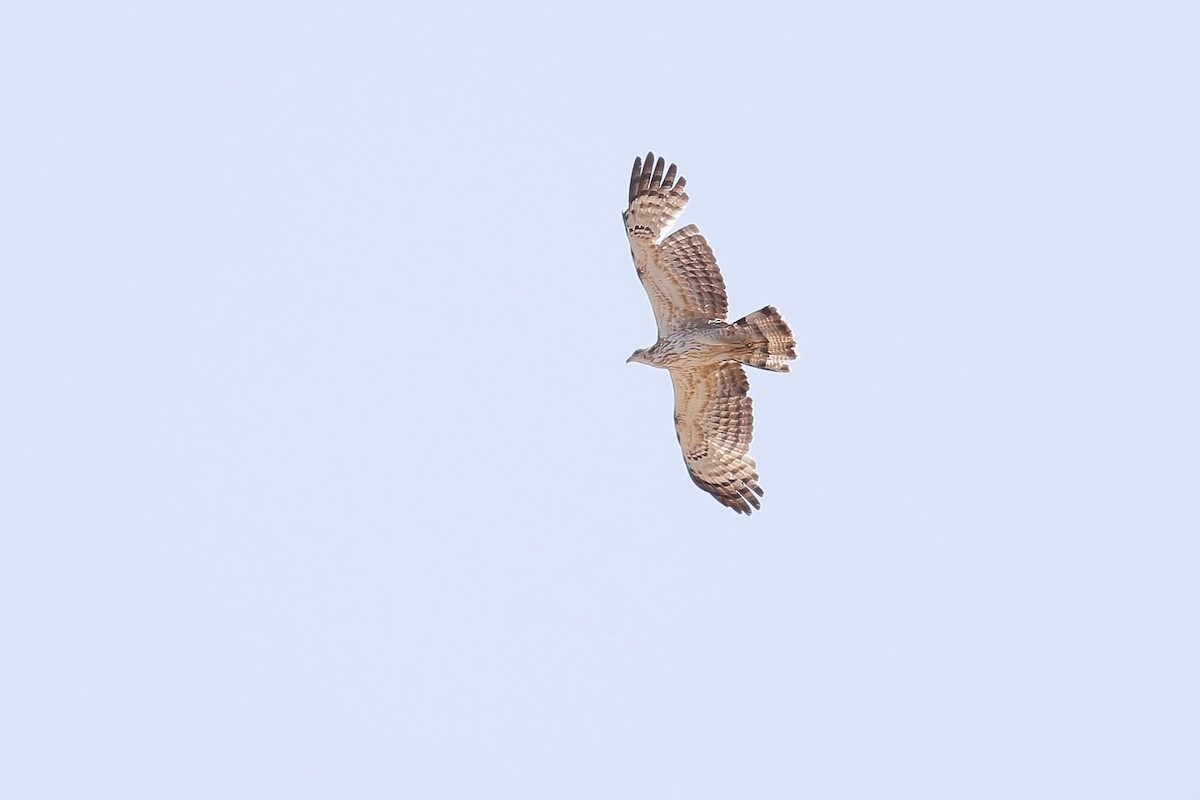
point(629, 359)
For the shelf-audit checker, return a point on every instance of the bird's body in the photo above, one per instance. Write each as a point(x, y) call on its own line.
point(694, 347)
point(704, 354)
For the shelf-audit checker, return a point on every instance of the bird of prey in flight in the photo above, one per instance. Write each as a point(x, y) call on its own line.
point(704, 353)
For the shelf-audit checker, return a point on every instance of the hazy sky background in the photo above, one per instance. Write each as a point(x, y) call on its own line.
point(322, 473)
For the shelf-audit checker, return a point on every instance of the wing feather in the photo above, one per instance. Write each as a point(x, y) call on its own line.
point(687, 262)
point(680, 273)
point(714, 421)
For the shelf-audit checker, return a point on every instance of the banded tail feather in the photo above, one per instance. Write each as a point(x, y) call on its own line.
point(769, 338)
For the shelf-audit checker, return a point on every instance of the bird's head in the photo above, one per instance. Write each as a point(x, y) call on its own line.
point(638, 357)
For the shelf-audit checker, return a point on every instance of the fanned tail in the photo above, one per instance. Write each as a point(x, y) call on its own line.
point(768, 338)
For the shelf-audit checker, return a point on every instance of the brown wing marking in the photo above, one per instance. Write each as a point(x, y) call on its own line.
point(714, 421)
point(687, 262)
point(679, 272)
point(655, 200)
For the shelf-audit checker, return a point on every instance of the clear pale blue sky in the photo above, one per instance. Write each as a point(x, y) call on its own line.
point(322, 473)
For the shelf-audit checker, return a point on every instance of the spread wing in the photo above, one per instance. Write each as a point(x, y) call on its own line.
point(680, 272)
point(715, 422)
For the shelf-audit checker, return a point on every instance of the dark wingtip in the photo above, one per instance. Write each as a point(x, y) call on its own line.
point(656, 178)
point(653, 173)
point(669, 178)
